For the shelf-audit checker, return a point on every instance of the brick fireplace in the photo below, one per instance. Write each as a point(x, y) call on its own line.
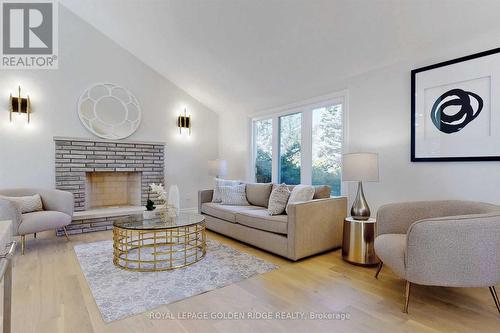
point(109, 179)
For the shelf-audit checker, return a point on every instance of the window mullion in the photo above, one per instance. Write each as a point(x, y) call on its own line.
point(253, 154)
point(306, 148)
point(275, 150)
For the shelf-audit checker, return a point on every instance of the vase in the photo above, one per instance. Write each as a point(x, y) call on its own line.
point(149, 214)
point(174, 198)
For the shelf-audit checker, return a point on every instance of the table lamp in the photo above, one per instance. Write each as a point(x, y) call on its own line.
point(217, 168)
point(360, 167)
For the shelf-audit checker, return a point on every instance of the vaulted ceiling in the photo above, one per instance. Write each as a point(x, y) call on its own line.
point(249, 55)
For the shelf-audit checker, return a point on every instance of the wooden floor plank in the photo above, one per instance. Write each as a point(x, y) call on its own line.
point(50, 294)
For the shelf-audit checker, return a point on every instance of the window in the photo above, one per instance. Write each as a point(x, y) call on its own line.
point(290, 142)
point(327, 137)
point(263, 134)
point(302, 145)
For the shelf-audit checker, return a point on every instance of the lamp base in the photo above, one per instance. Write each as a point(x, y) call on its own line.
point(360, 210)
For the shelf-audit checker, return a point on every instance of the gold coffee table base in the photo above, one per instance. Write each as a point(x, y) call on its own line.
point(158, 249)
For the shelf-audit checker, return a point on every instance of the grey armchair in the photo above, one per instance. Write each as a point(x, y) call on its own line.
point(441, 243)
point(58, 212)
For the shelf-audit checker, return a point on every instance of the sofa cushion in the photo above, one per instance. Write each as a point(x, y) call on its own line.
point(300, 193)
point(41, 221)
point(28, 204)
point(322, 192)
point(258, 193)
point(278, 199)
point(290, 187)
point(224, 212)
point(260, 219)
point(222, 182)
point(233, 195)
point(390, 248)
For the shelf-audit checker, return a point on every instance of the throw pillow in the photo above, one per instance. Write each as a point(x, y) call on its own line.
point(233, 195)
point(27, 204)
point(258, 193)
point(300, 193)
point(278, 199)
point(222, 182)
point(322, 192)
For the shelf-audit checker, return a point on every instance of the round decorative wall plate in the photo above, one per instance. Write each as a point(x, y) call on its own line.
point(109, 111)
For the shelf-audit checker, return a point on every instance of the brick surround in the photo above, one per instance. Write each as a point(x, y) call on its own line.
point(75, 157)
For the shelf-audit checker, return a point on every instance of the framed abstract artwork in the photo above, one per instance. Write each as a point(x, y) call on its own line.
point(455, 109)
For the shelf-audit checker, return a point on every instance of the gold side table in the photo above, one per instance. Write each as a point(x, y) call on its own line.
point(357, 242)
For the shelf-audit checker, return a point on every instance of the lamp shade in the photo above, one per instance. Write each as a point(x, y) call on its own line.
point(217, 167)
point(360, 167)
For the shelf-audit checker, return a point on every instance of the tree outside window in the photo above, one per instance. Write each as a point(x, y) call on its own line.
point(327, 138)
point(263, 134)
point(290, 144)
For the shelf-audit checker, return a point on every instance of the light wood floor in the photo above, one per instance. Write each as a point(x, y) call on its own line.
point(51, 294)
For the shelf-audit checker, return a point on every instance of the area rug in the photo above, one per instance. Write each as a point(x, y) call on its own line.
point(120, 293)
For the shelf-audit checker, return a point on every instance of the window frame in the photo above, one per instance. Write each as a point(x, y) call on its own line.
point(306, 108)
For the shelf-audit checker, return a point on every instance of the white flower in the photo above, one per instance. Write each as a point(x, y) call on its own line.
point(159, 190)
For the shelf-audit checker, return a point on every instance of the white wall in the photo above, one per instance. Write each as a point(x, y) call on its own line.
point(86, 57)
point(379, 121)
point(234, 144)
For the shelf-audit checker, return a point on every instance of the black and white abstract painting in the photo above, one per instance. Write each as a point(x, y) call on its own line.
point(456, 109)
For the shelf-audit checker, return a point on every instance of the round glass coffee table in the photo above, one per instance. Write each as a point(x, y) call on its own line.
point(158, 244)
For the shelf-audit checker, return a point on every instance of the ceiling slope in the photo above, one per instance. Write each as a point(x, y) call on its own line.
point(249, 55)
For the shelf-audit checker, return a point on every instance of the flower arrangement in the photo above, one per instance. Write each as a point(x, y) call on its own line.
point(159, 191)
point(170, 210)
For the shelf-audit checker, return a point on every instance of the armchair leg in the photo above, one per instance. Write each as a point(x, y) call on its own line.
point(66, 233)
point(23, 243)
point(379, 268)
point(495, 297)
point(407, 296)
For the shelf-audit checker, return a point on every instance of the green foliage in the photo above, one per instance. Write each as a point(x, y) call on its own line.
point(290, 164)
point(263, 166)
point(263, 141)
point(327, 148)
point(290, 148)
point(322, 176)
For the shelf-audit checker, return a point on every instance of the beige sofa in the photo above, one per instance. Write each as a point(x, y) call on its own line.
point(310, 227)
point(441, 243)
point(58, 207)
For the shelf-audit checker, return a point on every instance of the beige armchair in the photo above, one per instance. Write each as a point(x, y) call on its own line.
point(58, 212)
point(441, 243)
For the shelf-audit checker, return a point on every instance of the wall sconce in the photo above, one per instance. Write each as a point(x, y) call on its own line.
point(184, 121)
point(20, 105)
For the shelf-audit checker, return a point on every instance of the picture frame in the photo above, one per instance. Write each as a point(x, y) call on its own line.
point(455, 109)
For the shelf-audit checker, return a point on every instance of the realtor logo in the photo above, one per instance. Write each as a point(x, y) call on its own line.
point(29, 34)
